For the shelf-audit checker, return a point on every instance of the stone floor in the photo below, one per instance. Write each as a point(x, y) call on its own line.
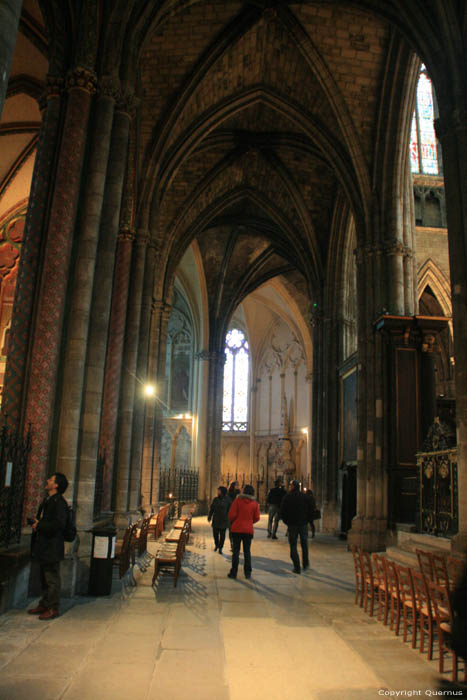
point(277, 635)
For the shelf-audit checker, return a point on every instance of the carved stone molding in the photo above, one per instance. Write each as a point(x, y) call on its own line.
point(127, 104)
point(126, 233)
point(159, 306)
point(83, 79)
point(54, 88)
point(109, 86)
point(455, 121)
point(142, 237)
point(210, 356)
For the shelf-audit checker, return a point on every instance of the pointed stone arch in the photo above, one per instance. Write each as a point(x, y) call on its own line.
point(431, 275)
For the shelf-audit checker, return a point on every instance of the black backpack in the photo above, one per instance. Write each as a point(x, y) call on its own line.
point(69, 533)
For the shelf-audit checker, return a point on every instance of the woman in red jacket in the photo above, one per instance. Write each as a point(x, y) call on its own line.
point(243, 513)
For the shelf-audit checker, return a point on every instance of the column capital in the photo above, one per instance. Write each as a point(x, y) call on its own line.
point(54, 85)
point(128, 104)
point(211, 356)
point(142, 236)
point(109, 86)
point(126, 233)
point(450, 122)
point(159, 306)
point(395, 247)
point(82, 79)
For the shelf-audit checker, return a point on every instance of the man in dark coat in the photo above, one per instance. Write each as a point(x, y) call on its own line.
point(273, 503)
point(218, 515)
point(296, 514)
point(48, 547)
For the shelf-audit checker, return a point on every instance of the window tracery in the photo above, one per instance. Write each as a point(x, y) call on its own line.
point(424, 157)
point(236, 373)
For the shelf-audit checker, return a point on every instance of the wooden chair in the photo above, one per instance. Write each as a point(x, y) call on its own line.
point(424, 614)
point(424, 562)
point(393, 595)
point(368, 581)
point(379, 572)
point(443, 616)
point(407, 601)
point(440, 569)
point(168, 559)
point(358, 575)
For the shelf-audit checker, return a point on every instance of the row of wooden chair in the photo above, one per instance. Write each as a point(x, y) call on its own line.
point(405, 594)
point(442, 568)
point(169, 555)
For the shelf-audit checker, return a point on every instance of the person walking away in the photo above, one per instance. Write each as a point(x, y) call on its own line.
point(296, 514)
point(232, 493)
point(273, 502)
point(218, 515)
point(243, 514)
point(48, 545)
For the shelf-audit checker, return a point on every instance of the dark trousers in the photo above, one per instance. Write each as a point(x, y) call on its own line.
point(219, 536)
point(51, 584)
point(296, 531)
point(273, 518)
point(238, 538)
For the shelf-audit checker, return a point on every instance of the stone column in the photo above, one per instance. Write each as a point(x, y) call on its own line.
point(252, 427)
point(46, 343)
point(131, 389)
point(137, 438)
point(201, 443)
point(26, 284)
point(113, 365)
point(153, 413)
point(214, 398)
point(81, 294)
point(100, 316)
point(369, 525)
point(451, 130)
point(10, 11)
point(309, 434)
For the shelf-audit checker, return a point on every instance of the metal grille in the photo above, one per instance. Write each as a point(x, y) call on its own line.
point(180, 484)
point(438, 492)
point(14, 451)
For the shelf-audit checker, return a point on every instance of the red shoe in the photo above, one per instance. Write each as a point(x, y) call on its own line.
point(49, 614)
point(37, 610)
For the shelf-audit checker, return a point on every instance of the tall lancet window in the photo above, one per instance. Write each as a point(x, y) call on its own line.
point(235, 407)
point(424, 157)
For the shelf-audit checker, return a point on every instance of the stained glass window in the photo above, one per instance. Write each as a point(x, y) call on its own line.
point(423, 147)
point(235, 405)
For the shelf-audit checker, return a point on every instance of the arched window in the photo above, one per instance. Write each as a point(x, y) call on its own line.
point(235, 407)
point(424, 157)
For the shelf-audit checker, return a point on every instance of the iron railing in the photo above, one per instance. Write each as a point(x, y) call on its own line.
point(179, 484)
point(14, 451)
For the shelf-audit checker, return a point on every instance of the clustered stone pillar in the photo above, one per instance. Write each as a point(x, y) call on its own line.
point(81, 292)
point(202, 424)
point(46, 344)
point(216, 360)
point(114, 365)
point(139, 411)
point(100, 315)
point(153, 413)
point(369, 525)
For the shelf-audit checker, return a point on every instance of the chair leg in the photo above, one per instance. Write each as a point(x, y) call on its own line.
point(430, 639)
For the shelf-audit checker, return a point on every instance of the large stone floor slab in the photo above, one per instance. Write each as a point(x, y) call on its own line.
point(276, 635)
